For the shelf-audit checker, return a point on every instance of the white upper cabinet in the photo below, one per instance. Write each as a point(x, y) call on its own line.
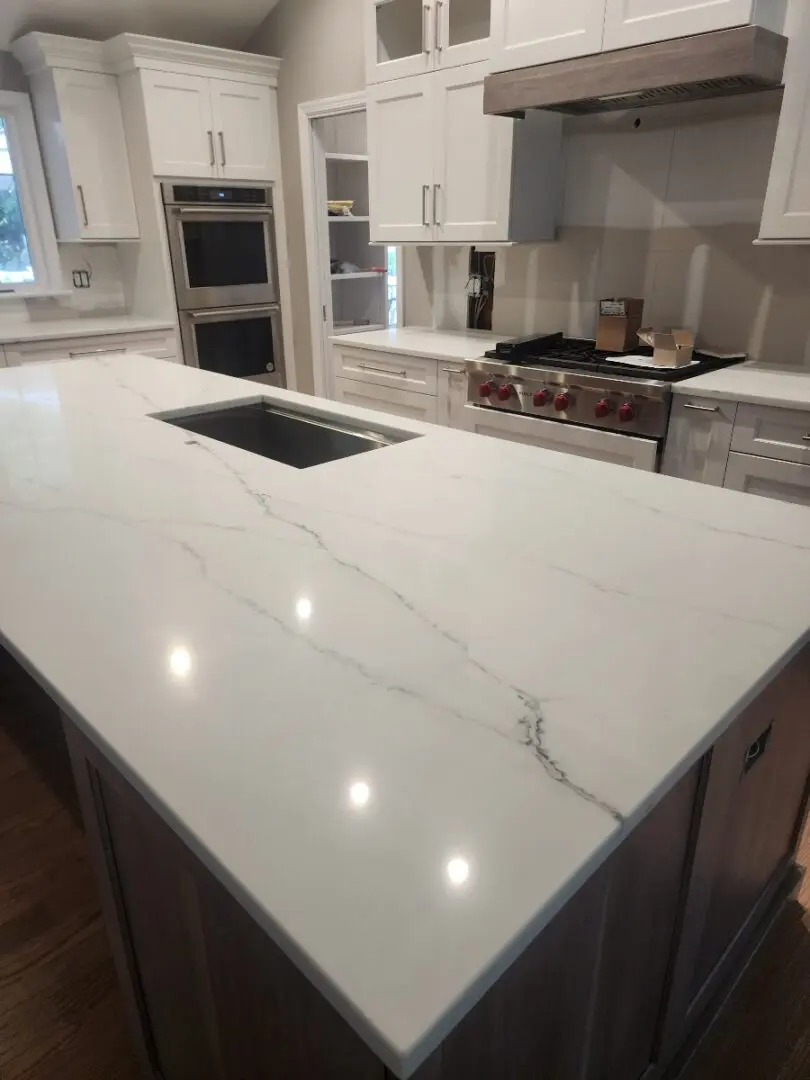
point(81, 132)
point(244, 136)
point(412, 37)
point(210, 128)
point(180, 124)
point(639, 22)
point(786, 214)
point(400, 124)
point(443, 172)
point(528, 32)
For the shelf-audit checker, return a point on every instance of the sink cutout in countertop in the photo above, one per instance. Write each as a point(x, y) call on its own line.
point(292, 438)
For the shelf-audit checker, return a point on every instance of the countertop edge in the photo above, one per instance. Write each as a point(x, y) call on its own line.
point(83, 328)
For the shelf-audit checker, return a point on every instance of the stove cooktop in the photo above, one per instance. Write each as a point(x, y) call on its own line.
point(580, 354)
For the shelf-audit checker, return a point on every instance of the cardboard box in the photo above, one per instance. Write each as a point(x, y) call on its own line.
point(671, 348)
point(619, 322)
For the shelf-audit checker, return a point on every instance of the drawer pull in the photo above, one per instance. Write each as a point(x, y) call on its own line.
point(95, 352)
point(702, 408)
point(806, 438)
point(452, 371)
point(754, 752)
point(382, 371)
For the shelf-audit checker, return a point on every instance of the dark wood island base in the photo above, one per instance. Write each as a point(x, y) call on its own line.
point(620, 985)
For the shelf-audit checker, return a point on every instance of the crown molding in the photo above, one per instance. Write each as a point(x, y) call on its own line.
point(37, 52)
point(129, 52)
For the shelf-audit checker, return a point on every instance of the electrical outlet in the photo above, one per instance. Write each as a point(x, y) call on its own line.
point(81, 279)
point(474, 285)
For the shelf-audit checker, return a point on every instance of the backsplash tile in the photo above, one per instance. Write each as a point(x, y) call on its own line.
point(669, 212)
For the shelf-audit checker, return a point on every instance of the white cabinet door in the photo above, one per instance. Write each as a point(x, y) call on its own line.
point(473, 160)
point(699, 439)
point(399, 38)
point(406, 372)
point(400, 133)
point(567, 438)
point(452, 396)
point(527, 32)
point(638, 22)
point(181, 127)
point(786, 214)
point(386, 399)
point(243, 130)
point(103, 203)
point(767, 431)
point(783, 480)
point(462, 29)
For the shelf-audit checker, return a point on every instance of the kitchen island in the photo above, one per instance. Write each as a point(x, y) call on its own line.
point(453, 759)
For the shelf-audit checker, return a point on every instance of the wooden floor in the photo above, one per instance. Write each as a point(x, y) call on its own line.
point(60, 1014)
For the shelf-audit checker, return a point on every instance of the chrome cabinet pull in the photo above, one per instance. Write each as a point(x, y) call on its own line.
point(425, 190)
point(702, 408)
point(222, 148)
point(806, 438)
point(95, 352)
point(84, 204)
point(212, 157)
point(425, 24)
point(381, 371)
point(452, 371)
point(436, 189)
point(438, 25)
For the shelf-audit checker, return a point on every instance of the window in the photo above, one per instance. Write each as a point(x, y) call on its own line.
point(392, 259)
point(29, 260)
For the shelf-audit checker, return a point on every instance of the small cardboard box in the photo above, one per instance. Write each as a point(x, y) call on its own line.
point(671, 348)
point(619, 322)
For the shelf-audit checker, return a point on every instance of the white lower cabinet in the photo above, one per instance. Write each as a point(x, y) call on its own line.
point(386, 399)
point(567, 438)
point(162, 344)
point(775, 433)
point(785, 480)
point(699, 440)
point(400, 370)
point(452, 396)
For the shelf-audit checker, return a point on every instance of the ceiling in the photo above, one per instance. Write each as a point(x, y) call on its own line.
point(228, 23)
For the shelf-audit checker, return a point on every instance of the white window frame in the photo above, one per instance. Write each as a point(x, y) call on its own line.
point(32, 190)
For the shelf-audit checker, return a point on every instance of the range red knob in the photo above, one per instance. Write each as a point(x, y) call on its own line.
point(627, 412)
point(542, 397)
point(562, 401)
point(485, 389)
point(505, 392)
point(602, 408)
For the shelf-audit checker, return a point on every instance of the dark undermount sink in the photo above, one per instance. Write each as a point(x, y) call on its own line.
point(298, 439)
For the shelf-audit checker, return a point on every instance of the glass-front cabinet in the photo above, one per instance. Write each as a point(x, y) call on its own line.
point(410, 37)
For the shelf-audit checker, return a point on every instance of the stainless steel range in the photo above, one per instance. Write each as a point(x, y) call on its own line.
point(597, 397)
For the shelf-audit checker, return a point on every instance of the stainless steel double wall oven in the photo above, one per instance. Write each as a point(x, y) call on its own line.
point(223, 250)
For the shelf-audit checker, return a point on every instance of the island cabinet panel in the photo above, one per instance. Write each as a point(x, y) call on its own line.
point(585, 1000)
point(211, 996)
point(756, 795)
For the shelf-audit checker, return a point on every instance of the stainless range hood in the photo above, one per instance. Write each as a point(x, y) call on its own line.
point(722, 63)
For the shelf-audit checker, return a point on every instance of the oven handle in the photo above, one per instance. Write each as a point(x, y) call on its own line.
point(216, 313)
point(222, 211)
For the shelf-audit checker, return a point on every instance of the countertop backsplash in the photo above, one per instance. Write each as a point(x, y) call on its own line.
point(668, 211)
point(104, 296)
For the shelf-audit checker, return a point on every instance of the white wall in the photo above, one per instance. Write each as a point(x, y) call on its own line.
point(321, 46)
point(669, 212)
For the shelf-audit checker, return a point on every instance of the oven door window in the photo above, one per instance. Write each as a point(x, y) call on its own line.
point(221, 254)
point(243, 347)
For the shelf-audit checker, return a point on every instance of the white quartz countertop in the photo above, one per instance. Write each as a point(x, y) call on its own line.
point(403, 703)
point(439, 344)
point(73, 328)
point(789, 388)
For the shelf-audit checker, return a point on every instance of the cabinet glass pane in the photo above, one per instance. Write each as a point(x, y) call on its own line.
point(399, 29)
point(469, 20)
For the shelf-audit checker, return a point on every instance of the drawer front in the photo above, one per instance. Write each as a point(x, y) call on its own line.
point(785, 480)
point(772, 433)
point(387, 399)
point(161, 344)
point(416, 373)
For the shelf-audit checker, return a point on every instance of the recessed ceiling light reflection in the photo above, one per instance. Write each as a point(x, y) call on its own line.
point(180, 662)
point(458, 870)
point(303, 609)
point(359, 794)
